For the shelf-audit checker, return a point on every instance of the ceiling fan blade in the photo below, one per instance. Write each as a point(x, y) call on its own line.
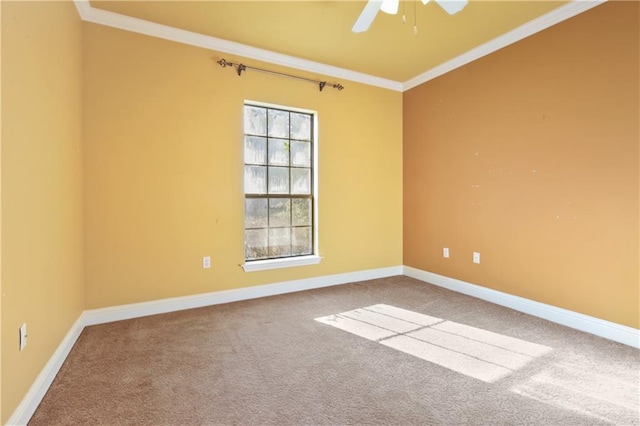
point(390, 6)
point(452, 6)
point(367, 16)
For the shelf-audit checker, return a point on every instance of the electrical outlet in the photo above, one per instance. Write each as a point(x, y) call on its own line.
point(23, 336)
point(206, 262)
point(445, 252)
point(476, 257)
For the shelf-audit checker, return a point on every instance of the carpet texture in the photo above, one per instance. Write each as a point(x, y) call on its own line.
point(269, 362)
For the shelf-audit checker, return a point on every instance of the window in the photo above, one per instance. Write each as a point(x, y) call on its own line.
point(279, 218)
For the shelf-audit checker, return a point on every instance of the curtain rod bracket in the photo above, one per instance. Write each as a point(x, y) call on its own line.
point(241, 67)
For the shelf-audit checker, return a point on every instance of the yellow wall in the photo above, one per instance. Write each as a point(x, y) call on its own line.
point(530, 156)
point(121, 167)
point(0, 225)
point(42, 281)
point(163, 170)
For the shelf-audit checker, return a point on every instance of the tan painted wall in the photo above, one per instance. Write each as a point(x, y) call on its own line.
point(163, 170)
point(1, 223)
point(42, 281)
point(530, 156)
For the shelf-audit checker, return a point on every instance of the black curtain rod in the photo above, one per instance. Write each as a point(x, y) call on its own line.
point(241, 67)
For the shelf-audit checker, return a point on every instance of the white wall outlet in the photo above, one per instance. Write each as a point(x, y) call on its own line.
point(23, 336)
point(476, 257)
point(445, 252)
point(206, 262)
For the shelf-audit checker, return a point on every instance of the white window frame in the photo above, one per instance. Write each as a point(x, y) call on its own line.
point(293, 261)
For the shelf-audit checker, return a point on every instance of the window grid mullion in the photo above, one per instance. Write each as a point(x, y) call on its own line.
point(268, 192)
point(290, 184)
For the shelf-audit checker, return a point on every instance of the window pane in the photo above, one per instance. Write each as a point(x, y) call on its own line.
point(255, 213)
point(255, 244)
point(280, 242)
point(301, 154)
point(301, 241)
point(300, 212)
point(255, 180)
point(279, 212)
point(278, 180)
point(255, 150)
point(301, 181)
point(255, 120)
point(278, 123)
point(279, 152)
point(300, 126)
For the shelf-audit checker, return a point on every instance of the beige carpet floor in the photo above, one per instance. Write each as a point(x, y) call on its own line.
point(392, 351)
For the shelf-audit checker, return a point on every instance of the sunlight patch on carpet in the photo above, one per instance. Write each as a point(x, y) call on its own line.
point(474, 352)
point(585, 390)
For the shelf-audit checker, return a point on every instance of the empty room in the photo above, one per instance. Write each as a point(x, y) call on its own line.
point(320, 212)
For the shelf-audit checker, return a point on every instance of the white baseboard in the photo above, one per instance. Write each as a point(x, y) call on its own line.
point(39, 388)
point(135, 310)
point(609, 330)
point(32, 399)
point(24, 411)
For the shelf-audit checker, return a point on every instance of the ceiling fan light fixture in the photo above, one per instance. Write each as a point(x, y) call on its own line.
point(390, 6)
point(372, 8)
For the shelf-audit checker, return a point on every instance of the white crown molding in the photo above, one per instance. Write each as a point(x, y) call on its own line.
point(83, 7)
point(541, 23)
point(609, 330)
point(127, 23)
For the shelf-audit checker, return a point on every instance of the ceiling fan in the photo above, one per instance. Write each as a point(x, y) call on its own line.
point(372, 7)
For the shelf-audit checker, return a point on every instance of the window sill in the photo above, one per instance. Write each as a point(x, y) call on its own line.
point(289, 262)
